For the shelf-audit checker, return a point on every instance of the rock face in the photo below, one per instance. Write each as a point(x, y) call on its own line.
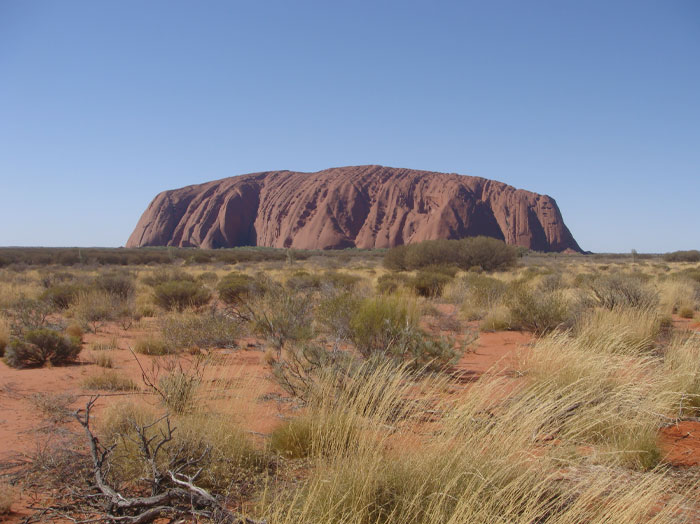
point(358, 206)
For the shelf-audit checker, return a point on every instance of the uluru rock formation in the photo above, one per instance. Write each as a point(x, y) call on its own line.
point(357, 206)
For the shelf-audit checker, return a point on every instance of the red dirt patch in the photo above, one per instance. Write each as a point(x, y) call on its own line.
point(680, 443)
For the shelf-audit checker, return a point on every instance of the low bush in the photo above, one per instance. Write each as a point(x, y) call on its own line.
point(119, 284)
point(235, 288)
point(41, 346)
point(339, 280)
point(110, 381)
point(486, 253)
point(692, 255)
point(180, 294)
point(496, 319)
point(536, 310)
point(54, 407)
point(334, 313)
point(62, 296)
point(75, 331)
point(95, 307)
point(282, 315)
point(611, 291)
point(303, 281)
point(302, 368)
point(388, 326)
point(379, 321)
point(392, 282)
point(151, 345)
point(200, 331)
point(28, 314)
point(430, 283)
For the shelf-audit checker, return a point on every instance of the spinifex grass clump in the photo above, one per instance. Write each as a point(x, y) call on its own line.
point(488, 456)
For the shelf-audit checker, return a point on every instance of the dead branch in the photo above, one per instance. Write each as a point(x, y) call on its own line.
point(173, 493)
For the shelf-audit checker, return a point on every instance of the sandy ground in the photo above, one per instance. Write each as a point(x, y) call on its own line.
point(242, 381)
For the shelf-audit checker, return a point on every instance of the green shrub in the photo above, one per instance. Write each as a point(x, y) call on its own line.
point(487, 253)
point(338, 280)
point(281, 314)
point(179, 294)
point(692, 255)
point(210, 330)
point(537, 310)
point(388, 326)
point(614, 291)
point(62, 296)
point(28, 314)
point(121, 285)
point(430, 284)
point(378, 322)
point(334, 312)
point(235, 287)
point(41, 346)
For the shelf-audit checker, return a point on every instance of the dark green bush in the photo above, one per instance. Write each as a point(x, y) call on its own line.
point(613, 291)
point(536, 310)
point(692, 255)
point(120, 285)
point(487, 253)
point(429, 283)
point(41, 346)
point(235, 287)
point(62, 296)
point(163, 275)
point(280, 314)
point(335, 311)
point(388, 326)
point(179, 294)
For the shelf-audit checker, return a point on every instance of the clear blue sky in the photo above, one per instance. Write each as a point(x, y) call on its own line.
point(105, 103)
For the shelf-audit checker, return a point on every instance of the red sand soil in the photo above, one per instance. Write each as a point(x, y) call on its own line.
point(242, 378)
point(680, 443)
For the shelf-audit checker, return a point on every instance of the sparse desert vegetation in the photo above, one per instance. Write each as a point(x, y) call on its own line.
point(463, 382)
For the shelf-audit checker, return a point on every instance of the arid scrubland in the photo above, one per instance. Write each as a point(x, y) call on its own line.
point(350, 387)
